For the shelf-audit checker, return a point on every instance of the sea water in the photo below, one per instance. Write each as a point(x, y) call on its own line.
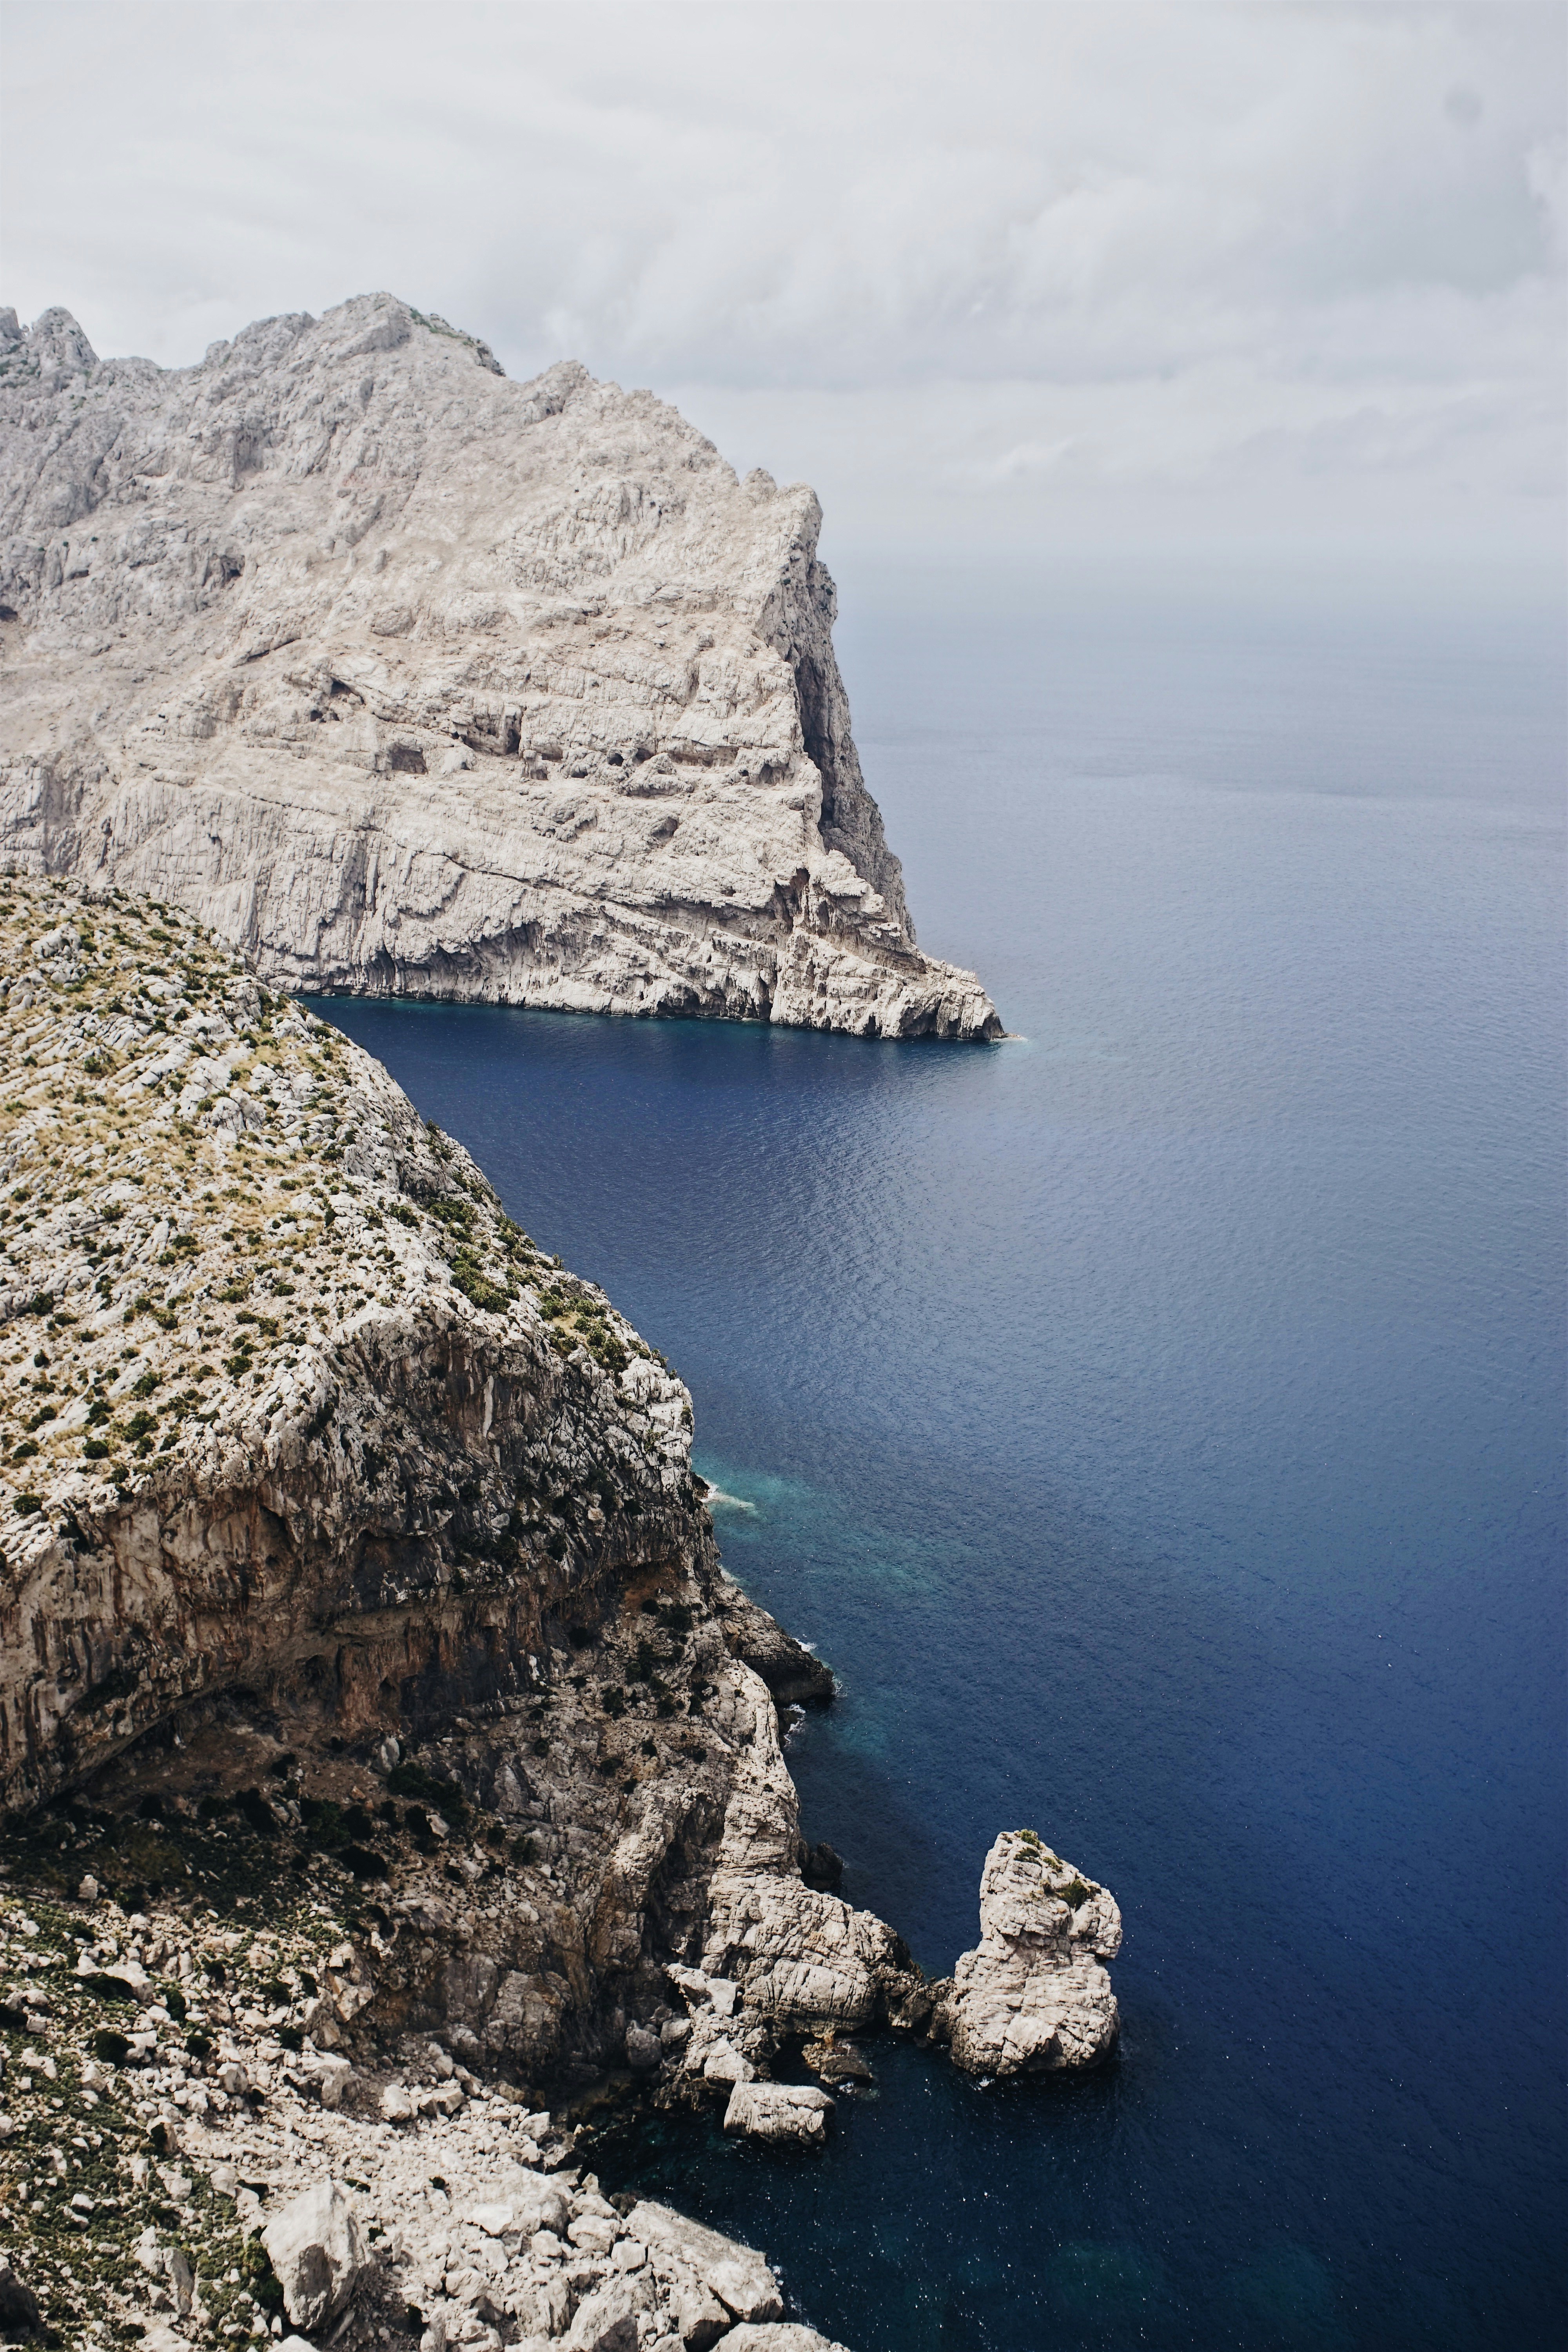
point(1157, 1422)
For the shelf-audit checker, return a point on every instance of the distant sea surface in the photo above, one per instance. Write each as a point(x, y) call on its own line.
point(1158, 1423)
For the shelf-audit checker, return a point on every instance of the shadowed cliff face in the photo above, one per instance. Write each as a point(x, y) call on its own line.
point(306, 1449)
point(410, 680)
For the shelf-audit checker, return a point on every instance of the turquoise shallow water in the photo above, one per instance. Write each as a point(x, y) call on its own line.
point(1158, 1423)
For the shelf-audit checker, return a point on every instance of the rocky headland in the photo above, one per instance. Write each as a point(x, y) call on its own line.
point(392, 1773)
point(411, 680)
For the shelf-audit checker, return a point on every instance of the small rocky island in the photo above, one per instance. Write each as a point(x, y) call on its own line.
point(391, 1775)
point(413, 681)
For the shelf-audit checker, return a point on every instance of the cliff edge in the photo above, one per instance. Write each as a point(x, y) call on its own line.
point(411, 680)
point(389, 1773)
point(304, 1445)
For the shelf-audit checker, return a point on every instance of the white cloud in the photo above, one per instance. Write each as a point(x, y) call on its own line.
point(951, 259)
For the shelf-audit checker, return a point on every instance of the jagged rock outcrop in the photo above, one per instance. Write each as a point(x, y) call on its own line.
point(317, 2252)
point(789, 2115)
point(310, 1463)
point(412, 680)
point(225, 2169)
point(1033, 1997)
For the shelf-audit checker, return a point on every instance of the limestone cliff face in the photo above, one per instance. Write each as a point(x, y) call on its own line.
point(409, 679)
point(305, 1449)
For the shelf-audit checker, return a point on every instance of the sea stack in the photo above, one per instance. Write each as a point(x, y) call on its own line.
point(411, 680)
point(1033, 1997)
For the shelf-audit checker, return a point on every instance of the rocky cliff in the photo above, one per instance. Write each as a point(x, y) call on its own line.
point(409, 679)
point(388, 1768)
point(305, 1446)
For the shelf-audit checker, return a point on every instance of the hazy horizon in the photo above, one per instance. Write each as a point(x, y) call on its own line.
point(995, 282)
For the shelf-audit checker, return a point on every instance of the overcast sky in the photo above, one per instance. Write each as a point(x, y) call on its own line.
point(989, 277)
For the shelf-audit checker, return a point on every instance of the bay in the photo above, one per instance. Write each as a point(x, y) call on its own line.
point(1157, 1421)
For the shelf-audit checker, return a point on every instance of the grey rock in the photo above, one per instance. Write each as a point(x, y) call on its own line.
point(170, 2267)
point(822, 1866)
point(795, 1674)
point(606, 2320)
point(735, 2274)
point(699, 2319)
point(644, 2050)
point(1033, 1997)
point(530, 2203)
point(412, 680)
point(832, 2060)
point(724, 2064)
point(784, 2113)
point(777, 2335)
point(317, 2254)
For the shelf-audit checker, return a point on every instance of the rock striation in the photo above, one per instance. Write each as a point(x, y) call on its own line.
point(411, 680)
point(1033, 1997)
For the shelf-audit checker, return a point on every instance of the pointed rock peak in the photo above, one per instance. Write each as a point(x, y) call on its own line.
point(59, 344)
point(550, 393)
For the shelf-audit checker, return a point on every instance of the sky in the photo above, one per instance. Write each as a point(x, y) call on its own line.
point(996, 280)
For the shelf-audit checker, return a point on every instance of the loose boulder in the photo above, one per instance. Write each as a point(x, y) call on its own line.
point(780, 2336)
point(735, 2274)
point(835, 2061)
point(644, 2050)
point(606, 2321)
point(317, 2254)
point(784, 2113)
point(528, 2201)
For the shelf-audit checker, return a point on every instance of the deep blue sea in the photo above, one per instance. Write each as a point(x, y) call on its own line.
point(1158, 1423)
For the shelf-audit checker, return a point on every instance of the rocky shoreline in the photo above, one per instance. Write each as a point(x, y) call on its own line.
point(388, 1757)
point(183, 2165)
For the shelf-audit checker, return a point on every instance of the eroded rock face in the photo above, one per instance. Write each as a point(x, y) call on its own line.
point(1033, 1997)
point(738, 2279)
point(412, 680)
point(470, 2223)
point(323, 1491)
point(287, 1394)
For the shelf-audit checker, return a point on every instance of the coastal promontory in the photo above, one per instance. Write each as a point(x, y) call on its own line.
point(392, 1780)
point(385, 1756)
point(411, 680)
